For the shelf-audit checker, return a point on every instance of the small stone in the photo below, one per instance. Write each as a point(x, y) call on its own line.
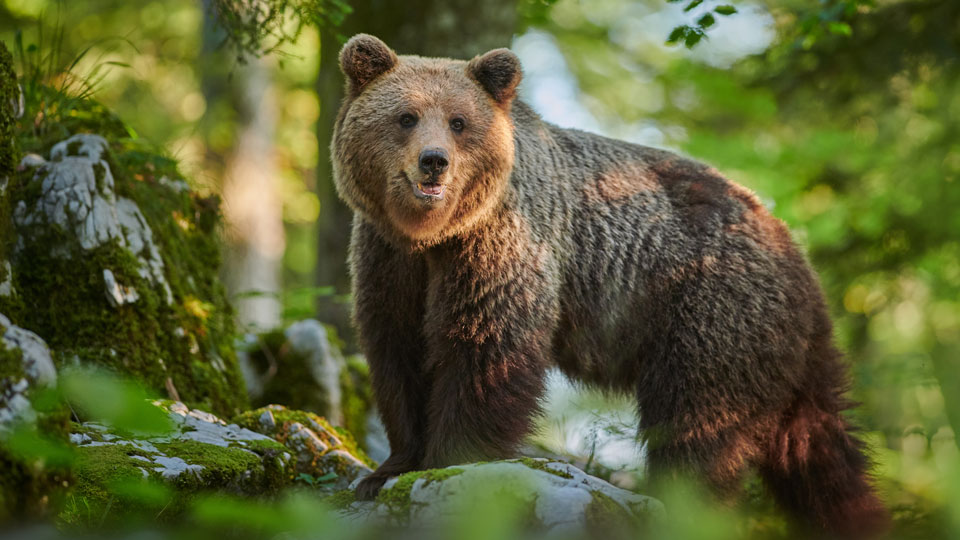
point(267, 421)
point(30, 161)
point(114, 294)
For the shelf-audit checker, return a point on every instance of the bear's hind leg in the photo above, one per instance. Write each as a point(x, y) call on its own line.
point(817, 471)
point(714, 458)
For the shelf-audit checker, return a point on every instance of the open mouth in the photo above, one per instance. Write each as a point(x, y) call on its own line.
point(429, 191)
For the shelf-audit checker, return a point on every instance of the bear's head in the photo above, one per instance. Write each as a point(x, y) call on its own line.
point(423, 147)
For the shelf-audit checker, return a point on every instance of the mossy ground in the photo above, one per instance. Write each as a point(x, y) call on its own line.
point(111, 486)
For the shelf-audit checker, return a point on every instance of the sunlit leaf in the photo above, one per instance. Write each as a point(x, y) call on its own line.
point(693, 37)
point(677, 34)
point(725, 9)
point(26, 443)
point(105, 398)
point(840, 29)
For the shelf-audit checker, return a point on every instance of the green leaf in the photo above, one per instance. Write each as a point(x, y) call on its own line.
point(706, 21)
point(306, 478)
point(123, 404)
point(677, 34)
point(693, 37)
point(692, 5)
point(329, 477)
point(840, 29)
point(28, 444)
point(725, 9)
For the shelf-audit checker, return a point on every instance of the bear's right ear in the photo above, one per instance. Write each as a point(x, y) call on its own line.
point(363, 59)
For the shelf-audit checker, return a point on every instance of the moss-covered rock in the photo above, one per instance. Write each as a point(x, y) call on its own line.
point(117, 260)
point(297, 366)
point(113, 470)
point(544, 496)
point(10, 110)
point(303, 367)
point(319, 448)
point(29, 438)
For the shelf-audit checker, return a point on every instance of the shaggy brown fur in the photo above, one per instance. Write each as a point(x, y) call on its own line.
point(628, 267)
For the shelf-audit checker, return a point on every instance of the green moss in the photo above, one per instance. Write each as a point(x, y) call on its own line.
point(9, 93)
point(221, 466)
point(11, 362)
point(541, 465)
point(98, 471)
point(111, 485)
point(397, 497)
point(342, 499)
point(284, 417)
point(9, 156)
point(97, 467)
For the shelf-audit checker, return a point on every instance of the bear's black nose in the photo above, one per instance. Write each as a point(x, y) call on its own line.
point(433, 161)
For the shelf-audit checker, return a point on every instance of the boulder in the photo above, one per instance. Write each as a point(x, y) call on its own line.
point(201, 453)
point(29, 477)
point(549, 497)
point(303, 368)
point(321, 451)
point(117, 260)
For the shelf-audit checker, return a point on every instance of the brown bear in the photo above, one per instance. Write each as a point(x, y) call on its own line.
point(489, 245)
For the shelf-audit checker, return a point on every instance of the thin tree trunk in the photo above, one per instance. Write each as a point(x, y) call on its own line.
point(252, 206)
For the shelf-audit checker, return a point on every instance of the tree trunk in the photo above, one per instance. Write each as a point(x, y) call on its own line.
point(450, 28)
point(252, 207)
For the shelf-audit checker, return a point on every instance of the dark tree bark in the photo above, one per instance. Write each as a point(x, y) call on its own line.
point(451, 28)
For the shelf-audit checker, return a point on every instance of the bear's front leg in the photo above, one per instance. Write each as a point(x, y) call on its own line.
point(389, 290)
point(490, 317)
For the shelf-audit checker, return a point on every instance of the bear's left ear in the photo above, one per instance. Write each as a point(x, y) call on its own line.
point(363, 59)
point(498, 71)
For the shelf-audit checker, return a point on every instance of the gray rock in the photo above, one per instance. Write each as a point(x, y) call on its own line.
point(77, 194)
point(309, 338)
point(117, 294)
point(318, 448)
point(6, 286)
point(157, 455)
point(560, 497)
point(35, 371)
point(306, 342)
point(375, 441)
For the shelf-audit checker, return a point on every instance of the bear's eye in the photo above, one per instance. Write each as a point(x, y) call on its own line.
point(457, 124)
point(408, 120)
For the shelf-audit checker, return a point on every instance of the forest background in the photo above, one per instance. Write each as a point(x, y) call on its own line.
point(842, 115)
